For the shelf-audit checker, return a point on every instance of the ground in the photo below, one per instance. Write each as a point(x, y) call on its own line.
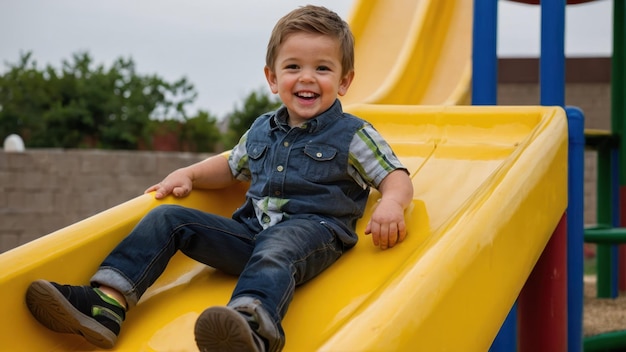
point(601, 315)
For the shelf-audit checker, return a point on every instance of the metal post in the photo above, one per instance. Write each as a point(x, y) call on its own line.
point(542, 304)
point(485, 92)
point(575, 227)
point(484, 53)
point(618, 113)
point(543, 311)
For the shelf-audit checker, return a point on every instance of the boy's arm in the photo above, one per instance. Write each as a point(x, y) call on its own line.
point(387, 225)
point(211, 173)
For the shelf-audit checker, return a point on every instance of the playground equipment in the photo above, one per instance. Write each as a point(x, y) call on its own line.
point(472, 250)
point(400, 40)
point(463, 244)
point(606, 234)
point(610, 232)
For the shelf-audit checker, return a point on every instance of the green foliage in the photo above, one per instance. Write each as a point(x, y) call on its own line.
point(255, 104)
point(201, 133)
point(83, 105)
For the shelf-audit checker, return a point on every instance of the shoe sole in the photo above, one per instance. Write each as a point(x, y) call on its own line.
point(223, 329)
point(56, 313)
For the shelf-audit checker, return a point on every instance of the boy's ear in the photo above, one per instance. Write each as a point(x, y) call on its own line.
point(270, 76)
point(345, 82)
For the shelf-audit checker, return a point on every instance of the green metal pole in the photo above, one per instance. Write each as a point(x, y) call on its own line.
point(604, 251)
point(611, 341)
point(617, 80)
point(618, 113)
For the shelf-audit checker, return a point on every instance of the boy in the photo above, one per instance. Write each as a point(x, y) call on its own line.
point(310, 167)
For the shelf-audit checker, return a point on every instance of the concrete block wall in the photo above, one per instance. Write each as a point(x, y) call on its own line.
point(42, 191)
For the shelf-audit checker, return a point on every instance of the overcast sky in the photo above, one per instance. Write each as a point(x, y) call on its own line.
point(220, 45)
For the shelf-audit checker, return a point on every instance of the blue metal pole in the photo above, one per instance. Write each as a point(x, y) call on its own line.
point(552, 61)
point(506, 340)
point(552, 92)
point(485, 92)
point(575, 227)
point(484, 53)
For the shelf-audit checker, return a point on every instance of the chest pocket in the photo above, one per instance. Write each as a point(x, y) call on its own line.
point(256, 157)
point(320, 163)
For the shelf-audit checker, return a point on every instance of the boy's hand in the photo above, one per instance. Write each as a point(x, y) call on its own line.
point(387, 225)
point(178, 183)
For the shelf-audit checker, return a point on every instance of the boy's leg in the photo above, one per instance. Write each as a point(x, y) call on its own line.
point(134, 265)
point(286, 255)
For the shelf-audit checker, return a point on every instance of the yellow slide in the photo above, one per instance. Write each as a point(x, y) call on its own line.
point(412, 52)
point(490, 187)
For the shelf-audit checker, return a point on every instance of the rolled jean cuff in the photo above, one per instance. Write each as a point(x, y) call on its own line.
point(267, 329)
point(107, 276)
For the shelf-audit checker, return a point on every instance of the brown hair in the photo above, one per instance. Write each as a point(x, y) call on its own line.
point(313, 19)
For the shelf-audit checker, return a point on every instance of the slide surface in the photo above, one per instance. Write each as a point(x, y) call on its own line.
point(412, 52)
point(490, 187)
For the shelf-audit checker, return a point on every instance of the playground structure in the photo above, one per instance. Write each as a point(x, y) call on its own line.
point(611, 153)
point(611, 213)
point(609, 234)
point(468, 258)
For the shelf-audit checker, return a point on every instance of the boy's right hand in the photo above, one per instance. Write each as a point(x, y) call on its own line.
point(178, 183)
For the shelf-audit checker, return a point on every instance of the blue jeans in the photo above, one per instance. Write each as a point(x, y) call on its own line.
point(270, 263)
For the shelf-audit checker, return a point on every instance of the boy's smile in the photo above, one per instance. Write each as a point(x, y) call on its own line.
point(307, 75)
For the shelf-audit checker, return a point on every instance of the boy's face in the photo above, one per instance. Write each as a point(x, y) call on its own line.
point(307, 75)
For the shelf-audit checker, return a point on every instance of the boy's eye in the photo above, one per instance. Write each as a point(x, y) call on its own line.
point(323, 68)
point(291, 67)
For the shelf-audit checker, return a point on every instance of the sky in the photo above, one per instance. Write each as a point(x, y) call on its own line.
point(220, 45)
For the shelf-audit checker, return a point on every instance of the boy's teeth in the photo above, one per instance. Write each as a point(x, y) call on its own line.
point(306, 95)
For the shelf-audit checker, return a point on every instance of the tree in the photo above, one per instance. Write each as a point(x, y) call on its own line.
point(24, 94)
point(201, 133)
point(255, 104)
point(83, 105)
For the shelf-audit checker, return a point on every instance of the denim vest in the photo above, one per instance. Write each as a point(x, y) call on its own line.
point(305, 170)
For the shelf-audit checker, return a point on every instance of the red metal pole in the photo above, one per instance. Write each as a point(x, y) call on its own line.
point(542, 304)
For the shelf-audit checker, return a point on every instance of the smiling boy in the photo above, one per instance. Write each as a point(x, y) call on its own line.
point(310, 168)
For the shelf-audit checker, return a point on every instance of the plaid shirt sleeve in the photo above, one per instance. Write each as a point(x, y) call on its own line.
point(371, 157)
point(238, 160)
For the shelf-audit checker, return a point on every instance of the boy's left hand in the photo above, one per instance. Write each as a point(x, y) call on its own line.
point(387, 225)
point(177, 183)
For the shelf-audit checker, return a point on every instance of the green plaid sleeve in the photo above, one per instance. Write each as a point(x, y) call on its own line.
point(238, 160)
point(371, 157)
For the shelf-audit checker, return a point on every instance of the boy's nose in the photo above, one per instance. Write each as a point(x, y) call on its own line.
point(306, 76)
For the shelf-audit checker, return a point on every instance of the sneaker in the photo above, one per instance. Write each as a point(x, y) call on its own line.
point(81, 310)
point(225, 329)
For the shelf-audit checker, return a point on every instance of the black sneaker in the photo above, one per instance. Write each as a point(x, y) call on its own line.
point(225, 329)
point(81, 310)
